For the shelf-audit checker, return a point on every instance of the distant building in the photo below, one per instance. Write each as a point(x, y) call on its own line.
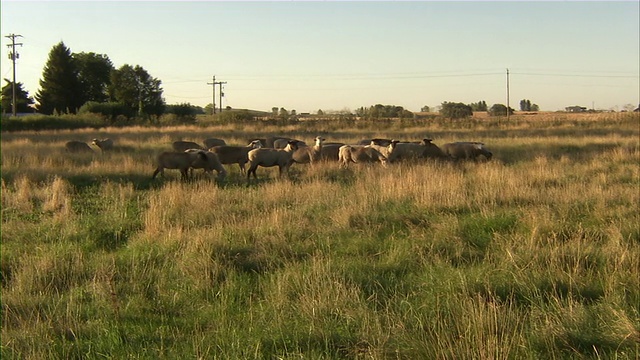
point(575, 109)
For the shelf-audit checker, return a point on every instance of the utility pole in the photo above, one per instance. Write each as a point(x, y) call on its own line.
point(508, 95)
point(221, 93)
point(213, 96)
point(13, 55)
point(214, 83)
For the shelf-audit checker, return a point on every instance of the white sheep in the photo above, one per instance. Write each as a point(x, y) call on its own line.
point(359, 154)
point(309, 154)
point(229, 154)
point(74, 146)
point(211, 142)
point(177, 160)
point(209, 162)
point(181, 146)
point(103, 144)
point(266, 157)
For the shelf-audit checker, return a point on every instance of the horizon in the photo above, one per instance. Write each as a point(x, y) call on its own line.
point(335, 56)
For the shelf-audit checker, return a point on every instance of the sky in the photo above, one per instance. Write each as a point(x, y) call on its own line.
point(336, 56)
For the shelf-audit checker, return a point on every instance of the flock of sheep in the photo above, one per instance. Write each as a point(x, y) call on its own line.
point(283, 152)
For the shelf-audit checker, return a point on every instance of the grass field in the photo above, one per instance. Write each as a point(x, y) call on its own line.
point(533, 255)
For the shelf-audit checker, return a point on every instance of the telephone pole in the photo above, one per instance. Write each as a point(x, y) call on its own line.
point(13, 55)
point(213, 95)
point(508, 95)
point(221, 93)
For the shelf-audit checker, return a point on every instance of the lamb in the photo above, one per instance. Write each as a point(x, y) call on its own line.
point(103, 144)
point(182, 146)
point(235, 154)
point(466, 150)
point(306, 154)
point(177, 160)
point(74, 146)
point(209, 163)
point(211, 142)
point(267, 157)
point(405, 150)
point(358, 154)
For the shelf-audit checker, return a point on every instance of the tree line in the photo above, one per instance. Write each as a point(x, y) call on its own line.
point(77, 82)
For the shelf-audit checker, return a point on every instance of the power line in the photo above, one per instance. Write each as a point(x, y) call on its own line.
point(13, 55)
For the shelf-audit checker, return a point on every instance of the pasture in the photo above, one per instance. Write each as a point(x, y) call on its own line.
point(534, 254)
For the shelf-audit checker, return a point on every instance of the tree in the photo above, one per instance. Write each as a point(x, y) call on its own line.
point(60, 89)
point(134, 87)
point(320, 112)
point(479, 106)
point(23, 100)
point(499, 110)
point(455, 110)
point(94, 75)
point(274, 111)
point(425, 109)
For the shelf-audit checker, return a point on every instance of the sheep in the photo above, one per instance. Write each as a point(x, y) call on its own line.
point(267, 157)
point(181, 146)
point(104, 144)
point(329, 152)
point(380, 142)
point(235, 154)
point(211, 142)
point(281, 143)
point(74, 146)
point(406, 150)
point(466, 150)
point(306, 154)
point(209, 162)
point(177, 160)
point(358, 154)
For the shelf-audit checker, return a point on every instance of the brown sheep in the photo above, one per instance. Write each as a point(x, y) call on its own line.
point(359, 154)
point(177, 160)
point(211, 142)
point(405, 150)
point(103, 144)
point(330, 151)
point(74, 146)
point(266, 157)
point(466, 150)
point(182, 146)
point(309, 154)
point(235, 154)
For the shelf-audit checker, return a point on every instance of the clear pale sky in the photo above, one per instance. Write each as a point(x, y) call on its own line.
point(333, 55)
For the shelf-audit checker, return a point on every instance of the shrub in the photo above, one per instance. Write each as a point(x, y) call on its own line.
point(499, 110)
point(455, 110)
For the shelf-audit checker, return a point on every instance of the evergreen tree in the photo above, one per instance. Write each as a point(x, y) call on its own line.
point(22, 98)
point(60, 89)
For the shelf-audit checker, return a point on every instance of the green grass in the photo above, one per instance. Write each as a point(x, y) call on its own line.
point(533, 255)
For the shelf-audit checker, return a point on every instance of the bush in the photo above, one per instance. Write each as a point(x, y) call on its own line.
point(455, 110)
point(110, 110)
point(499, 110)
